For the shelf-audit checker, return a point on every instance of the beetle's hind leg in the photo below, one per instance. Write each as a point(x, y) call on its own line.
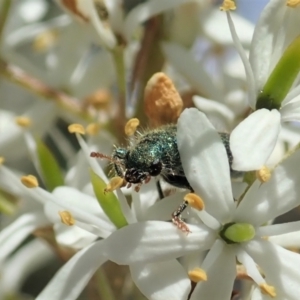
point(177, 217)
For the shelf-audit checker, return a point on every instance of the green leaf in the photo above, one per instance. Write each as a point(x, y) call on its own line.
point(108, 201)
point(281, 79)
point(50, 169)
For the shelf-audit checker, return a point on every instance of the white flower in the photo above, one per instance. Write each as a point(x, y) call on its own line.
point(42, 116)
point(269, 42)
point(206, 166)
point(74, 275)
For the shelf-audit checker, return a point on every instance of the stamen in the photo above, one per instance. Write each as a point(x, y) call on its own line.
point(268, 290)
point(131, 126)
point(264, 174)
point(197, 275)
point(45, 40)
point(293, 3)
point(66, 218)
point(115, 183)
point(23, 121)
point(1, 160)
point(228, 5)
point(92, 129)
point(194, 201)
point(30, 181)
point(76, 128)
point(99, 99)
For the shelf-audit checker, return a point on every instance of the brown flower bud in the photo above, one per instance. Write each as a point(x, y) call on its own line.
point(162, 102)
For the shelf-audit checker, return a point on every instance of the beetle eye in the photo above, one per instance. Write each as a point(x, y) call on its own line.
point(121, 153)
point(155, 168)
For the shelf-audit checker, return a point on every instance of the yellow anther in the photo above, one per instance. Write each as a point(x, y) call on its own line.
point(23, 121)
point(98, 99)
point(162, 101)
point(92, 129)
point(131, 126)
point(76, 128)
point(45, 40)
point(30, 181)
point(197, 275)
point(66, 218)
point(2, 159)
point(264, 174)
point(115, 183)
point(293, 3)
point(194, 201)
point(228, 5)
point(265, 238)
point(268, 290)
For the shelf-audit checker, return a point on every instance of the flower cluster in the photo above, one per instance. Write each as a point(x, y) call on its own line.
point(145, 161)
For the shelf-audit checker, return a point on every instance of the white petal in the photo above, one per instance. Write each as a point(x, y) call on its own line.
point(290, 112)
point(92, 161)
point(254, 139)
point(278, 229)
point(192, 70)
point(154, 241)
point(246, 63)
point(79, 213)
point(205, 162)
point(80, 200)
point(73, 198)
point(161, 281)
point(281, 267)
point(15, 233)
point(42, 116)
point(73, 236)
point(251, 268)
point(70, 280)
point(126, 210)
point(217, 112)
point(217, 248)
point(287, 240)
point(144, 199)
point(258, 295)
point(29, 258)
point(263, 41)
point(145, 11)
point(264, 202)
point(216, 28)
point(162, 210)
point(85, 11)
point(292, 95)
point(220, 278)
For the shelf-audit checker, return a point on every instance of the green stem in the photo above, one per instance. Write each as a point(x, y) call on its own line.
point(281, 79)
point(4, 11)
point(66, 102)
point(118, 56)
point(103, 287)
point(120, 119)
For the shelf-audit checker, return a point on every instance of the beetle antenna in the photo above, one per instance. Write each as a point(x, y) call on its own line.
point(101, 155)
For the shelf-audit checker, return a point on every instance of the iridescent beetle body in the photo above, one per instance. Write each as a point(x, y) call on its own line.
point(155, 153)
